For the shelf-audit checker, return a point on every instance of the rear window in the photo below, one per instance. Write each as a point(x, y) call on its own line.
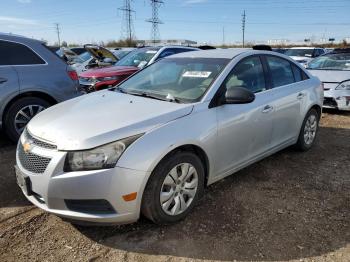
point(17, 54)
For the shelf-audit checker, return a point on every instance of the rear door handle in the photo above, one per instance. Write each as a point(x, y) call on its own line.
point(2, 80)
point(300, 95)
point(267, 109)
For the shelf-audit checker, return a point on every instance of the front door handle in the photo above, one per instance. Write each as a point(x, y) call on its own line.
point(301, 95)
point(2, 80)
point(267, 109)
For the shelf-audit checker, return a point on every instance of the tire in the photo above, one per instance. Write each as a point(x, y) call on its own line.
point(151, 206)
point(303, 144)
point(14, 130)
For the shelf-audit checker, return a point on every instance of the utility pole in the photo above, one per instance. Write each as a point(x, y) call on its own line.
point(223, 35)
point(243, 26)
point(155, 20)
point(127, 27)
point(58, 33)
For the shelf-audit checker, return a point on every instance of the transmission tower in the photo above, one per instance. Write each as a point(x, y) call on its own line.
point(155, 20)
point(127, 25)
point(58, 31)
point(243, 27)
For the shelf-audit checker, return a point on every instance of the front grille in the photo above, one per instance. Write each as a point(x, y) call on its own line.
point(90, 206)
point(32, 162)
point(38, 142)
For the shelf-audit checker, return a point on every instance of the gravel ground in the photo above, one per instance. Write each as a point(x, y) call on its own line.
point(290, 206)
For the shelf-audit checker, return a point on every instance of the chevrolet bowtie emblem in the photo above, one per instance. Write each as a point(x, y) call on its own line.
point(27, 147)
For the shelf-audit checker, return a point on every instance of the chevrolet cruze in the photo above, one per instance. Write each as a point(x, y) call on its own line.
point(151, 144)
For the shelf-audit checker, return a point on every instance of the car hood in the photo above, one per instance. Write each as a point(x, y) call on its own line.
point(331, 76)
point(100, 52)
point(102, 117)
point(109, 71)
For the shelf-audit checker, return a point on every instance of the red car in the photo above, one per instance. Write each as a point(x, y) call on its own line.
point(101, 78)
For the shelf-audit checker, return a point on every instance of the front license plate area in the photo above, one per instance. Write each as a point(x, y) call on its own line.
point(23, 182)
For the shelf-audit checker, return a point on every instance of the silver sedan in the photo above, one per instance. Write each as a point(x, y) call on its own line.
point(333, 69)
point(151, 144)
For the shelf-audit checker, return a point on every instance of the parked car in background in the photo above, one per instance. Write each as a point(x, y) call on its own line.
point(121, 52)
point(94, 57)
point(66, 54)
point(78, 50)
point(101, 78)
point(333, 69)
point(279, 50)
point(32, 78)
point(154, 142)
point(304, 55)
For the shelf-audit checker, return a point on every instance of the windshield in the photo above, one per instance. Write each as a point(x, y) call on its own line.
point(82, 57)
point(299, 52)
point(137, 58)
point(331, 62)
point(176, 79)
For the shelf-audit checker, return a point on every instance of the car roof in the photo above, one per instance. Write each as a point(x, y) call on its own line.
point(17, 38)
point(217, 53)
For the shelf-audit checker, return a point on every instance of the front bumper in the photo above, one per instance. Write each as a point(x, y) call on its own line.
point(53, 189)
point(337, 99)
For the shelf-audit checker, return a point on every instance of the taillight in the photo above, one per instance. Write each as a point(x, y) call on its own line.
point(73, 75)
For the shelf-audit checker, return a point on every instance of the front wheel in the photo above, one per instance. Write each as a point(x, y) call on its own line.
point(173, 188)
point(308, 131)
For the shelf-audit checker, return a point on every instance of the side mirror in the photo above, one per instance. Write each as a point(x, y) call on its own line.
point(238, 95)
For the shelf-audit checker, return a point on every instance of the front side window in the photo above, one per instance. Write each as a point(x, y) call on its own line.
point(249, 74)
point(281, 71)
point(340, 61)
point(181, 79)
point(17, 54)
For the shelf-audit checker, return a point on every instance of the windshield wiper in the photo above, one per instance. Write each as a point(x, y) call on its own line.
point(168, 98)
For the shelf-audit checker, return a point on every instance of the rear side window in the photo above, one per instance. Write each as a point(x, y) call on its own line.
point(18, 54)
point(297, 73)
point(281, 71)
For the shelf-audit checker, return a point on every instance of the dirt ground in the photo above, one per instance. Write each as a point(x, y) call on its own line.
point(290, 206)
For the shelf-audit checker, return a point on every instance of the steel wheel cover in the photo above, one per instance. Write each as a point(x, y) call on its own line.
point(179, 189)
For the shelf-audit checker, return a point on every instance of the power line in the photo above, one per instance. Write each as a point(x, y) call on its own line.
point(127, 26)
point(155, 20)
point(58, 33)
point(243, 26)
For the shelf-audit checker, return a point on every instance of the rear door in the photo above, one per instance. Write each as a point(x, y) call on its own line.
point(289, 97)
point(9, 85)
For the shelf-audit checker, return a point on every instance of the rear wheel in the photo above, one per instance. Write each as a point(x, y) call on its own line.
point(308, 131)
point(173, 188)
point(20, 113)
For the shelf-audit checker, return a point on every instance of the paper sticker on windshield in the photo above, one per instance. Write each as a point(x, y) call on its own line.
point(202, 74)
point(151, 52)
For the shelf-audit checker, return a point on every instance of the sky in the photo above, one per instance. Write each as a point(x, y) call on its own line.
point(88, 21)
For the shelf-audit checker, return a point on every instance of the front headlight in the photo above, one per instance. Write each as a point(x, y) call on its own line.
point(102, 157)
point(107, 78)
point(344, 85)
